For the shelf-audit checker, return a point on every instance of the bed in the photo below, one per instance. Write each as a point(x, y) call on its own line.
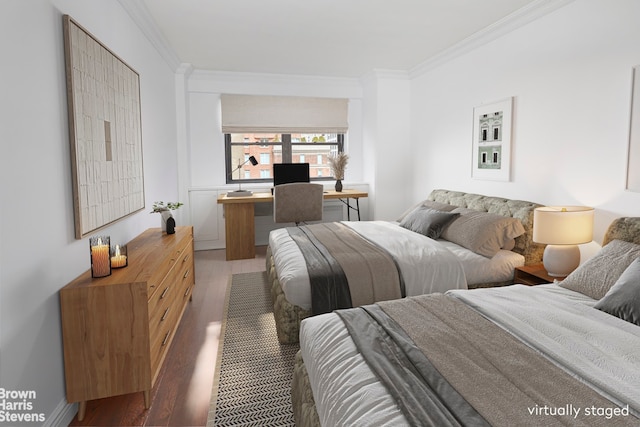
point(564, 353)
point(424, 265)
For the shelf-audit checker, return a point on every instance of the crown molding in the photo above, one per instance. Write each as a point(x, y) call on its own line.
point(142, 18)
point(509, 23)
point(273, 84)
point(382, 73)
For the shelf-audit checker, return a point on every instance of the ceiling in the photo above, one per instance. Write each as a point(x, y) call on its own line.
point(339, 38)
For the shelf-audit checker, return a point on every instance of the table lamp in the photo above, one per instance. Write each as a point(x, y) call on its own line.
point(562, 228)
point(240, 192)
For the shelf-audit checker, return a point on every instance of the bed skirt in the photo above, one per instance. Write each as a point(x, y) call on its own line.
point(304, 407)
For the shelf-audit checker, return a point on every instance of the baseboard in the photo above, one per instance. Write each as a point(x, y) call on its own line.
point(62, 415)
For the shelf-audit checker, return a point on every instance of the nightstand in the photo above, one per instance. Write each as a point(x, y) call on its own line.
point(533, 275)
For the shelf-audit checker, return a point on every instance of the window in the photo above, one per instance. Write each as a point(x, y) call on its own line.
point(279, 148)
point(281, 129)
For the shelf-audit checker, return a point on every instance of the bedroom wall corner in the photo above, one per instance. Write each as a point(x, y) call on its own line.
point(570, 75)
point(386, 141)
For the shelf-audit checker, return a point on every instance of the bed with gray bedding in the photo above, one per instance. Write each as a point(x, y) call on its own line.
point(556, 354)
point(475, 250)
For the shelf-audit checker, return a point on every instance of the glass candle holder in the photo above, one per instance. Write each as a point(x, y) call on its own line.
point(100, 260)
point(119, 257)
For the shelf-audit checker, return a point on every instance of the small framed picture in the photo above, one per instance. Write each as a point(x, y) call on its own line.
point(492, 141)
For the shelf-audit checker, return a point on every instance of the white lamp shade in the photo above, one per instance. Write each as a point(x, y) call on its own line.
point(563, 225)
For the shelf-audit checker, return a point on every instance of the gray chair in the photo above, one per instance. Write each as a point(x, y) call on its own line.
point(297, 202)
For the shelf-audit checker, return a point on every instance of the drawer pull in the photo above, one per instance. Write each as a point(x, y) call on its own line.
point(185, 258)
point(164, 293)
point(187, 291)
point(166, 338)
point(164, 316)
point(186, 274)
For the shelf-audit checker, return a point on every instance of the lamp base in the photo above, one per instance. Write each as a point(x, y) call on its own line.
point(239, 193)
point(560, 260)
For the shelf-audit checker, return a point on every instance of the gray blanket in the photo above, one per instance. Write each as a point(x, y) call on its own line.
point(345, 269)
point(475, 372)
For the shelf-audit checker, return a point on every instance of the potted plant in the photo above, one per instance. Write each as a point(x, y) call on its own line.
point(338, 164)
point(168, 223)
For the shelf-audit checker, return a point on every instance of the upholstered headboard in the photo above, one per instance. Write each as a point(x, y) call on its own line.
point(519, 209)
point(626, 228)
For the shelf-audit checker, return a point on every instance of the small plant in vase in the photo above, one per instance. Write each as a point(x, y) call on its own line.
point(167, 221)
point(338, 164)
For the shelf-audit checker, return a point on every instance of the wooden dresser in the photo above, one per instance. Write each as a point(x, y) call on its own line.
point(117, 329)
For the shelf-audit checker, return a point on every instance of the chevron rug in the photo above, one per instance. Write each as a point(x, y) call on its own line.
point(252, 384)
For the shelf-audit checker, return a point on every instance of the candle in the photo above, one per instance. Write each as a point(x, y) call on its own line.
point(119, 259)
point(100, 262)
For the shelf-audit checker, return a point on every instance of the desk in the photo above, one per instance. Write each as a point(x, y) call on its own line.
point(240, 228)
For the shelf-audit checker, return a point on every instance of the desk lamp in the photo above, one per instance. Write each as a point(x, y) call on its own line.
point(240, 192)
point(562, 228)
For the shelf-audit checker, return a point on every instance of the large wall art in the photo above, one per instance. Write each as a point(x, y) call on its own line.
point(103, 96)
point(492, 141)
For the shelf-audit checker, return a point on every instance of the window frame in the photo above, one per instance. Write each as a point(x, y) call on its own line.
point(287, 156)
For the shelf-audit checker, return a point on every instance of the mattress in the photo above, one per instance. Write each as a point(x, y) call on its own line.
point(599, 349)
point(427, 265)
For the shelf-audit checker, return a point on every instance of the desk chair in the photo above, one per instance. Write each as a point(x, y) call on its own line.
point(297, 202)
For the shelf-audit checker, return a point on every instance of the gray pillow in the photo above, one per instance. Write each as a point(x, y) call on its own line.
point(623, 299)
point(431, 204)
point(482, 232)
point(596, 276)
point(427, 221)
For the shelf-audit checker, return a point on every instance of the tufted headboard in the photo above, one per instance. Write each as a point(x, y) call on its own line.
point(626, 228)
point(519, 209)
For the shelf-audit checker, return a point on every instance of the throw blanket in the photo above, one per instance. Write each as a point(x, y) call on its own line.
point(345, 270)
point(477, 374)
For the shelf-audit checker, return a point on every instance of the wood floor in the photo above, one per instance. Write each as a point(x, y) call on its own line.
point(182, 391)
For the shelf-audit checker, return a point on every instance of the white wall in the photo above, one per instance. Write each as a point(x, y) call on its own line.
point(205, 148)
point(206, 141)
point(38, 251)
point(570, 74)
point(387, 142)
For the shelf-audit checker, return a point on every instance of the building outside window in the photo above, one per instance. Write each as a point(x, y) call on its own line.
point(279, 148)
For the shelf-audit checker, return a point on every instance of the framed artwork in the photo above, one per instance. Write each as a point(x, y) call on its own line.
point(103, 97)
point(492, 141)
point(633, 157)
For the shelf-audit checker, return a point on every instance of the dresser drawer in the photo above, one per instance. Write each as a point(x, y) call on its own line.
point(186, 274)
point(159, 277)
point(171, 259)
point(160, 340)
point(162, 297)
point(162, 313)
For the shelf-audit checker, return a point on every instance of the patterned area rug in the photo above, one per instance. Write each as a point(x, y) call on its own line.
point(252, 384)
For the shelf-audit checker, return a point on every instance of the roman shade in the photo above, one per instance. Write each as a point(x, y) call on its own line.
point(283, 114)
